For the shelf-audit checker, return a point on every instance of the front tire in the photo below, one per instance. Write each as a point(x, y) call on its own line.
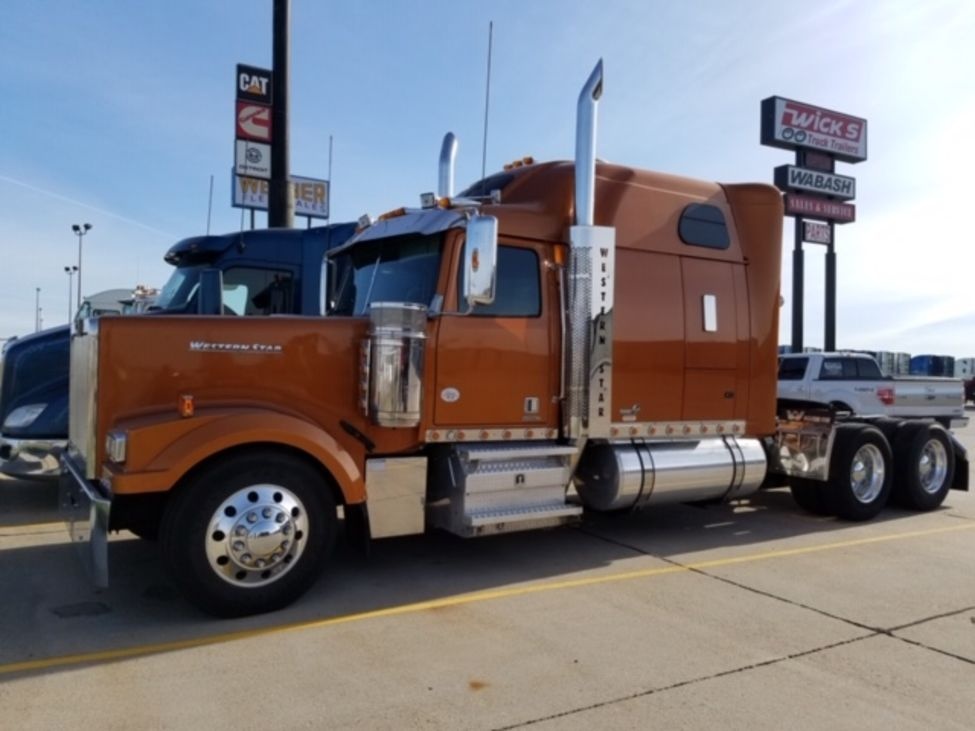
point(249, 535)
point(861, 473)
point(925, 463)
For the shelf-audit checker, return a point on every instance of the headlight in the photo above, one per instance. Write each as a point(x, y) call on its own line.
point(115, 445)
point(23, 416)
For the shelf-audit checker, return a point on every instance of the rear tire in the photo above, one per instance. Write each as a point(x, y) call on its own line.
point(861, 472)
point(810, 495)
point(250, 534)
point(925, 463)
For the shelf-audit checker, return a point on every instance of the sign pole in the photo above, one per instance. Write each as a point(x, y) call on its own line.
point(281, 205)
point(797, 289)
point(830, 320)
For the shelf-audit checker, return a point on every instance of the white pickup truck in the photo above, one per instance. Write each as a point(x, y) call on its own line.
point(853, 382)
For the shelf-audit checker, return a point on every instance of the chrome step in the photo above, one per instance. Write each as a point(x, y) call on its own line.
point(492, 488)
point(509, 521)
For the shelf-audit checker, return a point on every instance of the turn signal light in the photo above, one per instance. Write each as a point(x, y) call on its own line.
point(186, 407)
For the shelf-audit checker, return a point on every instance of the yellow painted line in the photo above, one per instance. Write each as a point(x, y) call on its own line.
point(99, 656)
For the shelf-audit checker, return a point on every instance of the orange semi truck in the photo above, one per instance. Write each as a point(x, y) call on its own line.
point(560, 337)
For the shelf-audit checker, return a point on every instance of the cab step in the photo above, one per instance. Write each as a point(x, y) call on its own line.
point(501, 488)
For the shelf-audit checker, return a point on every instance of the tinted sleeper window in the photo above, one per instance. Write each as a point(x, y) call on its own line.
point(703, 225)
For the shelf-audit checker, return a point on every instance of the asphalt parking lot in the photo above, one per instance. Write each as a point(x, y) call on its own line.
point(753, 615)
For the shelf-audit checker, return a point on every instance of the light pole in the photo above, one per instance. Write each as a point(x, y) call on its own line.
point(80, 230)
point(70, 272)
point(37, 309)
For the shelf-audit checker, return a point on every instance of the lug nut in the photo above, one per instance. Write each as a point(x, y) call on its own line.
point(238, 545)
point(240, 531)
point(252, 517)
point(266, 513)
point(279, 518)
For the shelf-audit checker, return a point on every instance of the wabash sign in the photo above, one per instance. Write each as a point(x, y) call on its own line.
point(253, 84)
point(791, 124)
point(253, 122)
point(806, 206)
point(790, 177)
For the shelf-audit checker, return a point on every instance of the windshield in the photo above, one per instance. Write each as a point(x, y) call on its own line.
point(402, 269)
point(176, 293)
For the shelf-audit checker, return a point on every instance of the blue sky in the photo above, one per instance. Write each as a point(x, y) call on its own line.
point(117, 113)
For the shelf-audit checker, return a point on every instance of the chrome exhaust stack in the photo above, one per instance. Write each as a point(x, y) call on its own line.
point(448, 159)
point(591, 275)
point(585, 162)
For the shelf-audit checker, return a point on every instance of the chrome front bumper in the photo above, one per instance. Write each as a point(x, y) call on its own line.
point(31, 459)
point(85, 510)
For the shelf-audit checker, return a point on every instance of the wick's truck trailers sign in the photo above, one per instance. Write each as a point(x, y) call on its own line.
point(790, 125)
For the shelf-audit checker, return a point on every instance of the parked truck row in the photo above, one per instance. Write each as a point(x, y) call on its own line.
point(560, 337)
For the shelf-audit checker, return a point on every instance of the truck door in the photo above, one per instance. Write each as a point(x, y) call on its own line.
point(712, 343)
point(498, 366)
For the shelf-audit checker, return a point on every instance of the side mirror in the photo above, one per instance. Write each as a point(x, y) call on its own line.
point(480, 261)
point(210, 294)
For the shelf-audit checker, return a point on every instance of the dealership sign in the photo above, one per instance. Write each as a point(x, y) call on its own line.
point(817, 233)
point(807, 206)
point(311, 195)
point(253, 84)
point(790, 124)
point(252, 122)
point(790, 177)
point(252, 159)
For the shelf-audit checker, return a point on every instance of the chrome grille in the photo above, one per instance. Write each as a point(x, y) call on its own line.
point(82, 395)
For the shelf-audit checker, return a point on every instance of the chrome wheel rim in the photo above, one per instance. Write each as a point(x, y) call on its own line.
point(932, 468)
point(256, 535)
point(867, 473)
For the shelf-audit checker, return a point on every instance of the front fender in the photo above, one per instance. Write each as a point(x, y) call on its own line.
point(178, 445)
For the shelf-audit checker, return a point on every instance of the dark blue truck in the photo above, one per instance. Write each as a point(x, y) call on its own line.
point(265, 272)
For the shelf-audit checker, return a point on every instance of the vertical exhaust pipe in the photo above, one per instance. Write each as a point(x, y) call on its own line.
point(448, 158)
point(588, 365)
point(585, 165)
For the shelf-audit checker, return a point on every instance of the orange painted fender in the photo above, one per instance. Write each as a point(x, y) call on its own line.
point(182, 444)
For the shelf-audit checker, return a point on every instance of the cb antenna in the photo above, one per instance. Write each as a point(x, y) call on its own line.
point(487, 102)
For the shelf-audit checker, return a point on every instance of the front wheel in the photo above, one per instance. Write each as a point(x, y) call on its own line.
point(249, 534)
point(861, 472)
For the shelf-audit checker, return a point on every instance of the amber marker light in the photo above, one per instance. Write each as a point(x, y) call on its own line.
point(186, 405)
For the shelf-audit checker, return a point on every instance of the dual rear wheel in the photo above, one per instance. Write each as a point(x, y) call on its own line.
point(865, 473)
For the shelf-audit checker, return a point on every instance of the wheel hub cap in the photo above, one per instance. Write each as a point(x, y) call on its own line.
point(933, 466)
point(255, 535)
point(867, 473)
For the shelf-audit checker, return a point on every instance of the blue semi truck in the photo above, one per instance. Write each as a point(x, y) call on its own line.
point(267, 271)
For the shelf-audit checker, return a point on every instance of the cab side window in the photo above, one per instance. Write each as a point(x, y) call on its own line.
point(792, 369)
point(838, 369)
point(518, 286)
point(249, 291)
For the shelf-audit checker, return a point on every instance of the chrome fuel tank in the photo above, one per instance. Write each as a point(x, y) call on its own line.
point(614, 476)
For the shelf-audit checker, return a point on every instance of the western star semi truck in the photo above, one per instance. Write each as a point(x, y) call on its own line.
point(558, 338)
point(271, 271)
